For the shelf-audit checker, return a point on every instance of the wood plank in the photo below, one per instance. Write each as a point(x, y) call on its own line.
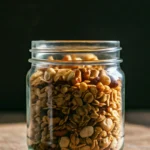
point(137, 134)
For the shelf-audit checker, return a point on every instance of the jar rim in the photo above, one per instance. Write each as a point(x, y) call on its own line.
point(82, 47)
point(75, 41)
point(74, 46)
point(102, 62)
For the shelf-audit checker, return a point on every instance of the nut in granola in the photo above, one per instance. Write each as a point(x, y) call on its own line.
point(88, 97)
point(86, 131)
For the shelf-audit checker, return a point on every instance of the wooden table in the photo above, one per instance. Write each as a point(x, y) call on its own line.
point(137, 131)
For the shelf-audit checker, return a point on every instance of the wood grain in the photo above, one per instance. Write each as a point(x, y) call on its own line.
point(137, 133)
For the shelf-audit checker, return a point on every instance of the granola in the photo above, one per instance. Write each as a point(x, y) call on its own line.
point(74, 108)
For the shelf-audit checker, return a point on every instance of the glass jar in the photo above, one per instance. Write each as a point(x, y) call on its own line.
point(75, 96)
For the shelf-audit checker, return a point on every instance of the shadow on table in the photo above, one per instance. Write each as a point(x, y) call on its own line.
point(9, 117)
point(138, 117)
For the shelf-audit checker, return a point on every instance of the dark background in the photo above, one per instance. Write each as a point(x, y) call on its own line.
point(127, 21)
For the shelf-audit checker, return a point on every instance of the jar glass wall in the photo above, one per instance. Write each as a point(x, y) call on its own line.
point(75, 96)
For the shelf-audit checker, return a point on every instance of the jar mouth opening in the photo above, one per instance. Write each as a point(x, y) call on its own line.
point(60, 46)
point(106, 52)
